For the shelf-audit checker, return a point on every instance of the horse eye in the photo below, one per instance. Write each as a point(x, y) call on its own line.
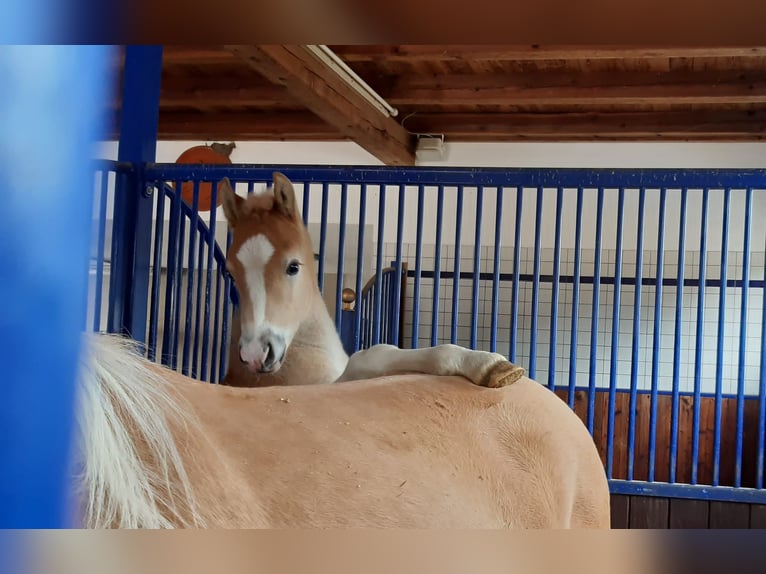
point(293, 268)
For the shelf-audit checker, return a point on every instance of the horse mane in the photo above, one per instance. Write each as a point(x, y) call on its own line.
point(124, 405)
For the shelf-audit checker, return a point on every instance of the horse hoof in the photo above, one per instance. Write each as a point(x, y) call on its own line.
point(502, 374)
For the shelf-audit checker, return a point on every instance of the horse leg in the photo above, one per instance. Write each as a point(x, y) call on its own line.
point(480, 367)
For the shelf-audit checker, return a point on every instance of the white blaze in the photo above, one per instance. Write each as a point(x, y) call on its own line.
point(254, 255)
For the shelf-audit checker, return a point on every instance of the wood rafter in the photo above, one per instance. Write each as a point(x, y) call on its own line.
point(323, 92)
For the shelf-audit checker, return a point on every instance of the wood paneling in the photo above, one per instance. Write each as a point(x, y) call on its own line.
point(664, 412)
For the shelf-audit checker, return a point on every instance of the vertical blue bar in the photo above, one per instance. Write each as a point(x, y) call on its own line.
point(721, 333)
point(227, 289)
point(536, 284)
point(177, 287)
point(743, 339)
point(211, 244)
point(615, 335)
point(399, 266)
point(174, 253)
point(575, 302)
point(636, 333)
point(418, 269)
point(555, 294)
point(437, 267)
point(456, 268)
point(379, 266)
point(476, 267)
point(218, 350)
point(595, 311)
point(516, 275)
point(496, 268)
point(199, 302)
point(699, 337)
point(341, 255)
point(46, 105)
point(100, 251)
point(306, 198)
point(678, 341)
point(157, 273)
point(657, 333)
point(133, 207)
point(760, 462)
point(360, 267)
point(193, 220)
point(323, 236)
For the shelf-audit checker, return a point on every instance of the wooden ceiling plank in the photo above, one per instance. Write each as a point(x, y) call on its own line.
point(415, 53)
point(324, 93)
point(583, 125)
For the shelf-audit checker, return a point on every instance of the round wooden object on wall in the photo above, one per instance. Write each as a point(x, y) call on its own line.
point(207, 155)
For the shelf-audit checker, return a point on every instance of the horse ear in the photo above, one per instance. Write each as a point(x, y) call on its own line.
point(232, 203)
point(284, 196)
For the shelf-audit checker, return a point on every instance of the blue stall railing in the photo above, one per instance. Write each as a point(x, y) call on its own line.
point(652, 333)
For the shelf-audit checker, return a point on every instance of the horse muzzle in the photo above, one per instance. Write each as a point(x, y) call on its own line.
point(263, 355)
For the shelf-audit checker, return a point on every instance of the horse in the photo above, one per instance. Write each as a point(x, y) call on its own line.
point(282, 309)
point(158, 449)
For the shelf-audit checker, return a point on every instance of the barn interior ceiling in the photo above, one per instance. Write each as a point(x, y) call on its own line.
point(384, 97)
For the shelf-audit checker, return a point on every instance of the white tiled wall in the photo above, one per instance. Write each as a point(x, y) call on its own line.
point(648, 327)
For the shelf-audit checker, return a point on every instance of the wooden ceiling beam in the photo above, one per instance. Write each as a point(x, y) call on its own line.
point(500, 53)
point(326, 94)
point(720, 125)
point(270, 126)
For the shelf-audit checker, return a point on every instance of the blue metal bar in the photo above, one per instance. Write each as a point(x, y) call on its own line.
point(496, 269)
point(323, 236)
point(172, 279)
point(418, 268)
point(46, 105)
point(721, 333)
point(209, 282)
point(399, 265)
point(743, 339)
point(476, 267)
point(575, 301)
point(133, 206)
point(341, 255)
point(595, 312)
point(178, 286)
point(226, 306)
point(190, 279)
point(306, 204)
point(456, 268)
point(697, 492)
point(360, 267)
point(100, 251)
point(536, 284)
point(555, 291)
point(698, 338)
point(678, 341)
point(156, 274)
point(437, 267)
point(198, 302)
point(218, 350)
point(657, 333)
point(516, 275)
point(759, 467)
point(636, 333)
point(615, 335)
point(379, 266)
point(487, 177)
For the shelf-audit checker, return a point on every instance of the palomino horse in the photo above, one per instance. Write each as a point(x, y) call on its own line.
point(158, 449)
point(281, 309)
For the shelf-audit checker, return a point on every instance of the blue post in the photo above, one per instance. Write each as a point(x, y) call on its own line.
point(46, 111)
point(129, 285)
